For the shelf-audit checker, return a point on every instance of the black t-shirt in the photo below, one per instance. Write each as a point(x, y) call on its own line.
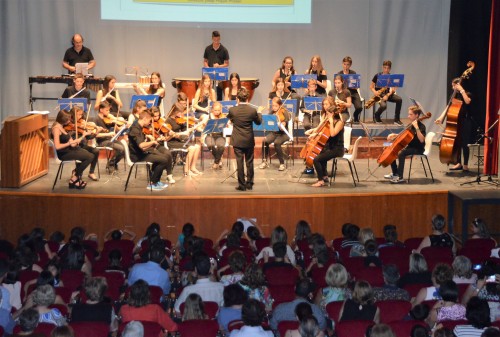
point(216, 56)
point(72, 57)
point(136, 137)
point(415, 142)
point(70, 91)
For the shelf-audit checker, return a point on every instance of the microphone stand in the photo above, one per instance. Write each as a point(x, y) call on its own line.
point(477, 144)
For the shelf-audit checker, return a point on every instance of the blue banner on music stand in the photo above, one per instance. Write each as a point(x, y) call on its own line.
point(151, 100)
point(313, 103)
point(215, 125)
point(290, 104)
point(226, 105)
point(352, 81)
point(68, 103)
point(300, 81)
point(390, 80)
point(216, 74)
point(269, 123)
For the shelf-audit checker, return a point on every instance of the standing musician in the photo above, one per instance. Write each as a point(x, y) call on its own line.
point(277, 137)
point(279, 90)
point(155, 88)
point(389, 95)
point(416, 146)
point(77, 90)
point(217, 56)
point(91, 131)
point(285, 72)
point(142, 149)
point(204, 94)
point(77, 54)
point(110, 94)
point(182, 129)
point(311, 117)
point(334, 146)
point(112, 124)
point(67, 149)
point(316, 68)
point(356, 100)
point(341, 95)
point(243, 116)
point(465, 124)
point(215, 141)
point(234, 85)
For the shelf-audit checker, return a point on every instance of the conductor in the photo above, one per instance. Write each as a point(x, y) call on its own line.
point(242, 116)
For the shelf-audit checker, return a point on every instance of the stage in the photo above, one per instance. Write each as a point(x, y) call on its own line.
point(212, 204)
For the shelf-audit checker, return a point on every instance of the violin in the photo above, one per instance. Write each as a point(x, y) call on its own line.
point(83, 126)
point(161, 126)
point(113, 120)
point(182, 120)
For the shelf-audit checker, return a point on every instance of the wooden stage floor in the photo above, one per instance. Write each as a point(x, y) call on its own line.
point(278, 198)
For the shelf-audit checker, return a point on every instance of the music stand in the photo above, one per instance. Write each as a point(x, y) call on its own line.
point(226, 105)
point(390, 80)
point(370, 140)
point(215, 125)
point(68, 103)
point(353, 81)
point(300, 81)
point(478, 180)
point(216, 74)
point(313, 103)
point(120, 133)
point(151, 100)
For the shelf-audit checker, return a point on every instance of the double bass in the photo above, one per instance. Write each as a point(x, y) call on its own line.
point(400, 142)
point(449, 148)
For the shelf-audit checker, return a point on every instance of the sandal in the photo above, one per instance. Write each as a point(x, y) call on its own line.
point(78, 184)
point(319, 183)
point(93, 177)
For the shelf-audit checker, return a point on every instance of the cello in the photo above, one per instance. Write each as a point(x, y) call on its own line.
point(314, 146)
point(400, 142)
point(449, 148)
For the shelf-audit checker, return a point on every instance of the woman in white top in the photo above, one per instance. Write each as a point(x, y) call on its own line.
point(279, 235)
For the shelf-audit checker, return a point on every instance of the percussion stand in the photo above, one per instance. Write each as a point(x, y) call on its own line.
point(479, 176)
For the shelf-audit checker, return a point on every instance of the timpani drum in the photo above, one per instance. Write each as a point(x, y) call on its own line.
point(249, 83)
point(186, 85)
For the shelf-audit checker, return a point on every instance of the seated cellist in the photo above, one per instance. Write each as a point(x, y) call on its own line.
point(416, 146)
point(334, 146)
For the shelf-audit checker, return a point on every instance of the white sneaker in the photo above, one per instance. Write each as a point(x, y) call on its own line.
point(397, 180)
point(170, 179)
point(282, 167)
point(264, 165)
point(391, 176)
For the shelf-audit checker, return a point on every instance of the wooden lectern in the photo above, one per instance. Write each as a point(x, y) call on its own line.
point(25, 151)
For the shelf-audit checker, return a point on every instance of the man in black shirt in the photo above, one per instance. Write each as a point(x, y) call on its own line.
point(77, 54)
point(144, 150)
point(217, 56)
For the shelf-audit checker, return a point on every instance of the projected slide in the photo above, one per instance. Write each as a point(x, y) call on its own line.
point(238, 11)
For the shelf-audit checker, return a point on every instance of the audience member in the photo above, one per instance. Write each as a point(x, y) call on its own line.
point(206, 288)
point(280, 259)
point(418, 272)
point(302, 234)
point(478, 316)
point(43, 297)
point(62, 331)
point(236, 263)
point(447, 309)
point(151, 271)
point(254, 283)
point(194, 308)
point(390, 290)
point(391, 237)
point(28, 321)
point(361, 306)
point(234, 298)
point(350, 233)
point(140, 308)
point(438, 238)
point(252, 315)
point(358, 249)
point(6, 320)
point(371, 259)
point(286, 311)
point(462, 270)
point(441, 273)
point(278, 235)
point(381, 330)
point(337, 286)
